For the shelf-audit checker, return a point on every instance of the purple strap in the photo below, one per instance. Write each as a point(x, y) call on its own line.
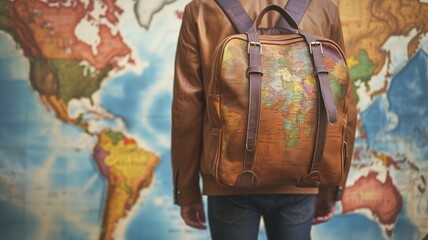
point(242, 22)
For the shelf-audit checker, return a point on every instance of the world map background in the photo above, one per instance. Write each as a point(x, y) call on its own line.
point(85, 95)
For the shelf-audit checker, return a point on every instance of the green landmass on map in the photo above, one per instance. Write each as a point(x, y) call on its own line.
point(4, 8)
point(365, 68)
point(76, 81)
point(4, 20)
point(337, 88)
point(114, 136)
point(65, 78)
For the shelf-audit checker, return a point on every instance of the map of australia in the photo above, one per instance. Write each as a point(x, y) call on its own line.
point(382, 199)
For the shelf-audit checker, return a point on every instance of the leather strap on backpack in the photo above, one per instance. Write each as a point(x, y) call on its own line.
point(242, 22)
point(236, 14)
point(247, 178)
point(296, 9)
point(325, 104)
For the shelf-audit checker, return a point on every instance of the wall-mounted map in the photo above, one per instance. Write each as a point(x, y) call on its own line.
point(85, 97)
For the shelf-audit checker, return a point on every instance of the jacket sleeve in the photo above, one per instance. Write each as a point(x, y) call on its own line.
point(336, 193)
point(187, 115)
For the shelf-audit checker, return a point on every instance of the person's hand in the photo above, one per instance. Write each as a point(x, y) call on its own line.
point(194, 215)
point(324, 210)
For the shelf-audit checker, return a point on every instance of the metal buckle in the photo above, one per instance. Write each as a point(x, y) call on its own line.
point(254, 44)
point(315, 44)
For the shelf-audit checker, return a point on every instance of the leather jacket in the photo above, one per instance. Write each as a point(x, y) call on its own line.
point(204, 26)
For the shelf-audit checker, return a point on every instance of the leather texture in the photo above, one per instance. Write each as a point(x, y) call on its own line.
point(204, 27)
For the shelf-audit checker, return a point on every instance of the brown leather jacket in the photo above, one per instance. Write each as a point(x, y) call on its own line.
point(204, 26)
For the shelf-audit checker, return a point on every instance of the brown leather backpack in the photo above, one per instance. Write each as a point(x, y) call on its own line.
point(278, 108)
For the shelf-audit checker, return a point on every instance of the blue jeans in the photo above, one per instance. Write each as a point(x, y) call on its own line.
point(286, 217)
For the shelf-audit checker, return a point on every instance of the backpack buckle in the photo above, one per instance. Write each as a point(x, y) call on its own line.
point(315, 44)
point(255, 44)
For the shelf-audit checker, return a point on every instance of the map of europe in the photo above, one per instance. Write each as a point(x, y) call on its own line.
point(86, 89)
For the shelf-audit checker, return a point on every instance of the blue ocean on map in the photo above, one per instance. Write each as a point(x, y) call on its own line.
point(405, 101)
point(42, 184)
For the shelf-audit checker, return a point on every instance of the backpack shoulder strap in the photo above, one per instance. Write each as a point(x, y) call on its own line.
point(242, 22)
point(236, 14)
point(296, 9)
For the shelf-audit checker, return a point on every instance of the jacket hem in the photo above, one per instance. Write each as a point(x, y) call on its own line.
point(211, 187)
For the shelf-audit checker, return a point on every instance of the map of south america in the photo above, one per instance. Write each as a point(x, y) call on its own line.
point(72, 48)
point(128, 170)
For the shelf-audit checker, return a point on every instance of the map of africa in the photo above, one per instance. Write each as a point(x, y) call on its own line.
point(85, 94)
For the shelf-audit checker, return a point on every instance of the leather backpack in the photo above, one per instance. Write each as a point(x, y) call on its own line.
point(277, 105)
